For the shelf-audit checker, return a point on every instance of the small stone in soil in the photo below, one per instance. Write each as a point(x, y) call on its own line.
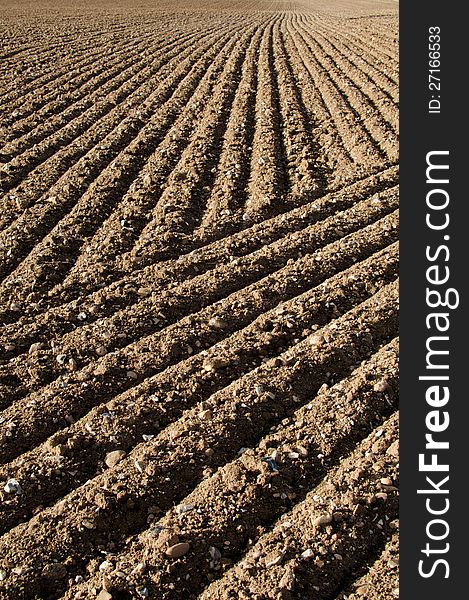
point(13, 487)
point(322, 520)
point(139, 569)
point(381, 496)
point(206, 415)
point(275, 561)
point(106, 566)
point(217, 322)
point(381, 386)
point(55, 571)
point(182, 508)
point(140, 465)
point(212, 364)
point(362, 590)
point(215, 553)
point(87, 524)
point(112, 458)
point(178, 550)
point(385, 481)
point(271, 463)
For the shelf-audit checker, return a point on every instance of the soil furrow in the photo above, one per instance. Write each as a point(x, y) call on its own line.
point(43, 413)
point(125, 292)
point(245, 265)
point(199, 299)
point(180, 208)
point(306, 560)
point(168, 180)
point(361, 71)
point(228, 194)
point(304, 373)
point(139, 64)
point(72, 77)
point(247, 494)
point(358, 148)
point(378, 119)
point(353, 136)
point(375, 70)
point(271, 332)
point(332, 155)
point(71, 143)
point(39, 97)
point(382, 36)
point(349, 98)
point(381, 577)
point(363, 41)
point(267, 181)
point(307, 180)
point(43, 178)
point(146, 251)
point(134, 144)
point(45, 121)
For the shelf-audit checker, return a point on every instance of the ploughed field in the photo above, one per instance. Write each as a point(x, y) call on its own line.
point(199, 301)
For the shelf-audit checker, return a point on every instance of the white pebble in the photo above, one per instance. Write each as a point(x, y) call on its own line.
point(182, 508)
point(106, 566)
point(140, 465)
point(13, 487)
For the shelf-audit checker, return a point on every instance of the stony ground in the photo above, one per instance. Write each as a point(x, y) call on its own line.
point(199, 300)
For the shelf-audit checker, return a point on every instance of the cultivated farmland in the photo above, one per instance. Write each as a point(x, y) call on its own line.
point(199, 300)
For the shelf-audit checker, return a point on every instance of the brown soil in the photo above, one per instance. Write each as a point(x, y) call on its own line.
point(199, 300)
